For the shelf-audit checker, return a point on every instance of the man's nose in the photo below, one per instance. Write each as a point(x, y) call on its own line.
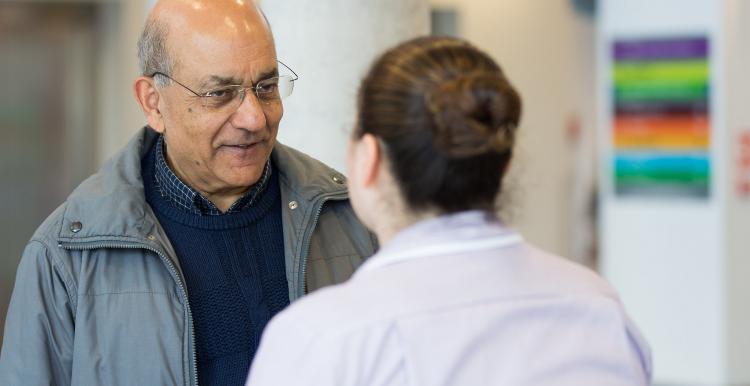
point(250, 114)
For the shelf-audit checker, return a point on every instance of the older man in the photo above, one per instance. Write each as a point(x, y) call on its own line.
point(165, 266)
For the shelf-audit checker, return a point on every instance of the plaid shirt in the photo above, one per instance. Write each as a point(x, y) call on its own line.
point(184, 197)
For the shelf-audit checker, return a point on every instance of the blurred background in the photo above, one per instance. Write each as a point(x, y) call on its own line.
point(633, 156)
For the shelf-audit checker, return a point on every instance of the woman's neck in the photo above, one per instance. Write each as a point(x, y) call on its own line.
point(389, 226)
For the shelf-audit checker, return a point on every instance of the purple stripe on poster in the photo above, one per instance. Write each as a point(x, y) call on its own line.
point(689, 48)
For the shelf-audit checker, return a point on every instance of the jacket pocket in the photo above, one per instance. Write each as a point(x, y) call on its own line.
point(129, 338)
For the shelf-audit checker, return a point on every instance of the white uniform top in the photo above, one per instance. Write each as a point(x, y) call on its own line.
point(459, 300)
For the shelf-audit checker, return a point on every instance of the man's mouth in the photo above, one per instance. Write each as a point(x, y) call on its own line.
point(243, 145)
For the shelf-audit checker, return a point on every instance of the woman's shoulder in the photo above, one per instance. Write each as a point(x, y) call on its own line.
point(557, 274)
point(511, 275)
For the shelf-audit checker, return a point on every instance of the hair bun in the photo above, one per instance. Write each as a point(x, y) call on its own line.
point(474, 114)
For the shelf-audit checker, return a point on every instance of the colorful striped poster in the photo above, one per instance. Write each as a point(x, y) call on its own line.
point(661, 120)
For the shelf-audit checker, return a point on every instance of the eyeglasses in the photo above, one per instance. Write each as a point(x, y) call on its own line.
point(230, 97)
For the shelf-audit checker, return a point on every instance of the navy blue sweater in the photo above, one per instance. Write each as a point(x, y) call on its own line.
point(234, 272)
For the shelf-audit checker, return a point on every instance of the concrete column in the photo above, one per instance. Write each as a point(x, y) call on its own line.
point(331, 44)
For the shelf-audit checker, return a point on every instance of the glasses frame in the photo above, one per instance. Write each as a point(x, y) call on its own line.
point(242, 89)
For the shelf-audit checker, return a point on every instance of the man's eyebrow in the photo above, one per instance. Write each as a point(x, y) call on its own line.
point(216, 80)
point(269, 74)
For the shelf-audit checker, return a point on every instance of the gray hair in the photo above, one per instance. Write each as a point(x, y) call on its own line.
point(153, 54)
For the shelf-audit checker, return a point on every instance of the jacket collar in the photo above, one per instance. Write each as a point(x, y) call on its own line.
point(305, 177)
point(110, 205)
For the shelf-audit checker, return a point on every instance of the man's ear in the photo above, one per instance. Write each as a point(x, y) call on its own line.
point(147, 97)
point(371, 159)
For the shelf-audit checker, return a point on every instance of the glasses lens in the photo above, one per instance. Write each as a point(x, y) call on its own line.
point(223, 98)
point(286, 86)
point(268, 89)
point(275, 88)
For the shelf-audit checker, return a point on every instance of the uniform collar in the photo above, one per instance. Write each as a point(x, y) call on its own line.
point(460, 233)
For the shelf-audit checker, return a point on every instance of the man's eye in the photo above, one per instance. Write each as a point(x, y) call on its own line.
point(221, 94)
point(268, 86)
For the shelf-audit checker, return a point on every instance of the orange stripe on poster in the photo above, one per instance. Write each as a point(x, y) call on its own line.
point(662, 133)
point(662, 141)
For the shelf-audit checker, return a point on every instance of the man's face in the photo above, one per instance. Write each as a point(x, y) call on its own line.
point(218, 150)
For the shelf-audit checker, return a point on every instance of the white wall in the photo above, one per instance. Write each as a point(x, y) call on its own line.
point(737, 286)
point(667, 256)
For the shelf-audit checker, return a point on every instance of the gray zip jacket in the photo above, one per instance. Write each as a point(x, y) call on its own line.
point(100, 299)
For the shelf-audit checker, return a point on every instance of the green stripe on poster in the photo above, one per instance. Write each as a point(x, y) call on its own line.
point(683, 93)
point(662, 84)
point(683, 70)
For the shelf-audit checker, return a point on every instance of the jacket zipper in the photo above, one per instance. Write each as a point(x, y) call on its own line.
point(175, 275)
point(306, 242)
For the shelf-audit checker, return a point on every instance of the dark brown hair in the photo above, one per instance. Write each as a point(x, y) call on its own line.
point(447, 117)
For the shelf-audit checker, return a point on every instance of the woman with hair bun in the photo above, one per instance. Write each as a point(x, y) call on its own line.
point(454, 297)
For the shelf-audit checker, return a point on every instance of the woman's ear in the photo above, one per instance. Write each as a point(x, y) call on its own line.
point(147, 97)
point(371, 160)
